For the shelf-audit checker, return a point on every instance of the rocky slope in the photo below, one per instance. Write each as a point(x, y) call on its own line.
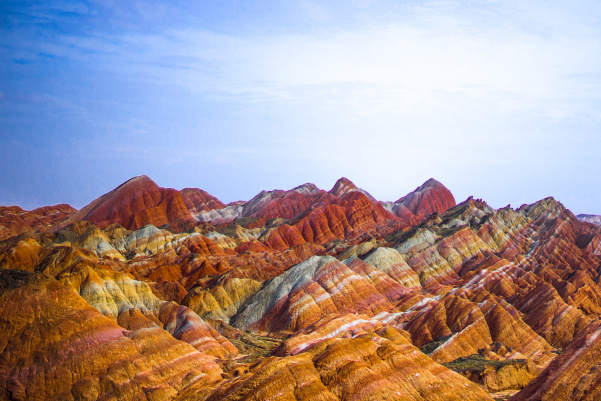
point(15, 221)
point(306, 294)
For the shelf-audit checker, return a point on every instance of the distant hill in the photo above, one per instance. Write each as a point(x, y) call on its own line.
point(590, 218)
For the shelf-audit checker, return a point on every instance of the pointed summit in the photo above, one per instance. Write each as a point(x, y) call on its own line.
point(135, 203)
point(343, 186)
point(428, 198)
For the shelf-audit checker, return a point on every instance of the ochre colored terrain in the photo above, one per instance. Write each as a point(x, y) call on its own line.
point(306, 294)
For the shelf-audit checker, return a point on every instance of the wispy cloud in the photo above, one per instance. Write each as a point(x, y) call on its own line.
point(478, 91)
point(437, 61)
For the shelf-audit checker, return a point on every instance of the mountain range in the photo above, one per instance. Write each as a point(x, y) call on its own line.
point(151, 293)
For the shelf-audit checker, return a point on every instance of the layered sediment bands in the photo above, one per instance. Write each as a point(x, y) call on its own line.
point(55, 346)
point(343, 186)
point(431, 197)
point(198, 201)
point(383, 283)
point(352, 217)
point(438, 264)
point(118, 243)
point(344, 213)
point(283, 204)
point(573, 375)
point(497, 368)
point(222, 301)
point(468, 341)
point(15, 221)
point(307, 292)
point(133, 305)
point(334, 290)
point(134, 204)
point(338, 326)
point(130, 303)
point(548, 315)
point(392, 263)
point(368, 367)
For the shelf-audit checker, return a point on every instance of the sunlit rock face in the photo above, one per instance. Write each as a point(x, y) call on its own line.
point(54, 345)
point(303, 294)
point(306, 294)
point(370, 366)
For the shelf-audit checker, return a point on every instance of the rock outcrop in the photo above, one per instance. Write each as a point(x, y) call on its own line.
point(198, 201)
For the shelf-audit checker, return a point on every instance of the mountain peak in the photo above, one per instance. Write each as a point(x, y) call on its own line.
point(343, 186)
point(135, 203)
point(432, 196)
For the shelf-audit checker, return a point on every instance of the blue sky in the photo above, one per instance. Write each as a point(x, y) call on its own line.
point(496, 99)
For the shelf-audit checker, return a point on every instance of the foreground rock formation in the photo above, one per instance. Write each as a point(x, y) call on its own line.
point(306, 294)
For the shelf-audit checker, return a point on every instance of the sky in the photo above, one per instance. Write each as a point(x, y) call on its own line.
point(496, 99)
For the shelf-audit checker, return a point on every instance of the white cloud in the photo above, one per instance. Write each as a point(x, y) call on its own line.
point(438, 63)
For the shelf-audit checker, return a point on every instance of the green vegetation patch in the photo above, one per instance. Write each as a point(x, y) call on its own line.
point(230, 230)
point(255, 347)
point(432, 346)
point(478, 363)
point(401, 236)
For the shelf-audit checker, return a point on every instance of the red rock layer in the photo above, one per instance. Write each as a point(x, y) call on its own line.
point(352, 217)
point(431, 197)
point(134, 204)
point(129, 302)
point(283, 204)
point(309, 291)
point(197, 200)
point(15, 221)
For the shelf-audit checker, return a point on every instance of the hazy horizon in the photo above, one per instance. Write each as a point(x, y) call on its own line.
point(496, 100)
